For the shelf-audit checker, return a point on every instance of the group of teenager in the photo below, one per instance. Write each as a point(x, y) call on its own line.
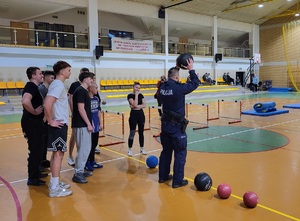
point(45, 123)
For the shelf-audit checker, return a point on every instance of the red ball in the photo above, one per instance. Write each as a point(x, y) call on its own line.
point(224, 191)
point(250, 199)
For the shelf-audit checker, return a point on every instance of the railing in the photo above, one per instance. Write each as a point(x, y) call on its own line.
point(46, 38)
point(43, 38)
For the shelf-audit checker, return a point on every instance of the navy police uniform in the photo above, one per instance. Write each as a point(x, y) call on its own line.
point(173, 136)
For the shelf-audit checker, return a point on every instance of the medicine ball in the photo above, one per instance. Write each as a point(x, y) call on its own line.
point(203, 181)
point(181, 60)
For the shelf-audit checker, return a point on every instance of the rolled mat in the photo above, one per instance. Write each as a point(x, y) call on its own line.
point(264, 107)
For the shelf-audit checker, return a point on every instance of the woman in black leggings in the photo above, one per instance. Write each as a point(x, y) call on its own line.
point(137, 117)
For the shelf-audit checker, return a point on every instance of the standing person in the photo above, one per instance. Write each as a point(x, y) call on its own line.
point(254, 83)
point(96, 120)
point(57, 116)
point(49, 76)
point(82, 126)
point(136, 102)
point(71, 91)
point(159, 83)
point(173, 135)
point(33, 125)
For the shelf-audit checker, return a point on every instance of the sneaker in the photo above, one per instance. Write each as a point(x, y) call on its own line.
point(64, 185)
point(130, 152)
point(97, 150)
point(87, 173)
point(71, 161)
point(96, 165)
point(79, 178)
point(143, 151)
point(59, 192)
point(89, 166)
point(61, 185)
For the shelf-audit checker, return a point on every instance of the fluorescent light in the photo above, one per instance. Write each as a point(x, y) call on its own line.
point(260, 5)
point(297, 14)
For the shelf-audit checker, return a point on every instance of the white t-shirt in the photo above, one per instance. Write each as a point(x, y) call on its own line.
point(60, 109)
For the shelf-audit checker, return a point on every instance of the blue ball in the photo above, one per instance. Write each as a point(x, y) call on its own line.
point(152, 161)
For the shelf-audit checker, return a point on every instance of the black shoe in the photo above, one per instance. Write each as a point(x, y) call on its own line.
point(165, 180)
point(35, 182)
point(43, 175)
point(183, 183)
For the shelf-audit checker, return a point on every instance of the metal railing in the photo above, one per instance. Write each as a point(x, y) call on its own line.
point(58, 39)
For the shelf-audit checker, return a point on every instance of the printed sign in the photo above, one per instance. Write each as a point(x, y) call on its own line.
point(121, 44)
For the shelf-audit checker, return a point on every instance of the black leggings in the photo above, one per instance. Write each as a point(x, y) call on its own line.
point(137, 117)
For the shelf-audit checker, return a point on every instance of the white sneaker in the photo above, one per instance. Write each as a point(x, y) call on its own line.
point(71, 161)
point(129, 152)
point(59, 192)
point(97, 150)
point(64, 185)
point(61, 185)
point(143, 151)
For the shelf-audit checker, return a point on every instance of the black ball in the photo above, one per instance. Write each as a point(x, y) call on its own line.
point(203, 181)
point(181, 60)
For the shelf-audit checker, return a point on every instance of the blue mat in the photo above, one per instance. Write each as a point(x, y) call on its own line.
point(280, 89)
point(296, 106)
point(253, 112)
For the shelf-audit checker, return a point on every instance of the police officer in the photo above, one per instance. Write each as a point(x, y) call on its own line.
point(173, 136)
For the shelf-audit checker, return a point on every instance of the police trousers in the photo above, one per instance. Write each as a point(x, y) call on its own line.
point(173, 138)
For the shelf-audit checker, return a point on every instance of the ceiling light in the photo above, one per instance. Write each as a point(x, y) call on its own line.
point(260, 5)
point(297, 14)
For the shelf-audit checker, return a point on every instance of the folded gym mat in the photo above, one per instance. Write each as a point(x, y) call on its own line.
point(296, 106)
point(265, 114)
point(264, 107)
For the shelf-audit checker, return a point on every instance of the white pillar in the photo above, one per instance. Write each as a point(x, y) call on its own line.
point(166, 41)
point(93, 24)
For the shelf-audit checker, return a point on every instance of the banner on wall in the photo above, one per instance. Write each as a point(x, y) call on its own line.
point(121, 44)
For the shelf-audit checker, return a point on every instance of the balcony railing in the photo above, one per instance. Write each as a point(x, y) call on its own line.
point(12, 36)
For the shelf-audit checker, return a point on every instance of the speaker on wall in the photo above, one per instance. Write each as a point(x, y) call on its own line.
point(161, 13)
point(98, 51)
point(218, 57)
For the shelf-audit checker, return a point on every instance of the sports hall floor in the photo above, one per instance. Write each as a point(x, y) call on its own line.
point(260, 154)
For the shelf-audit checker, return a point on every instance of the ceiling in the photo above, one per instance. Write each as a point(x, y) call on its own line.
point(14, 10)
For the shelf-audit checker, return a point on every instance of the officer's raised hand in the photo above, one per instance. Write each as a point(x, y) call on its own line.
point(190, 64)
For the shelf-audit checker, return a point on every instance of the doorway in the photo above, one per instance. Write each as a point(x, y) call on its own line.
point(239, 76)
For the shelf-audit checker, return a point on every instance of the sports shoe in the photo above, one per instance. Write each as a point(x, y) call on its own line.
point(64, 185)
point(97, 150)
point(59, 192)
point(61, 185)
point(71, 161)
point(79, 178)
point(89, 166)
point(143, 151)
point(87, 173)
point(129, 152)
point(96, 165)
point(35, 182)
